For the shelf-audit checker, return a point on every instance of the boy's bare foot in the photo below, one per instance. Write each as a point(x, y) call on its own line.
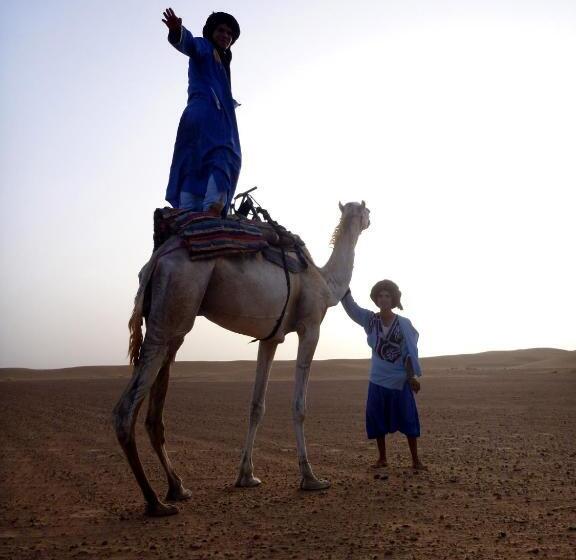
point(380, 464)
point(419, 466)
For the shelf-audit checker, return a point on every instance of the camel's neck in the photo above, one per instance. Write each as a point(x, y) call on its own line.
point(337, 271)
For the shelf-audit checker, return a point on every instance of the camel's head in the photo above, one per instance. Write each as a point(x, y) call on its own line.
point(356, 211)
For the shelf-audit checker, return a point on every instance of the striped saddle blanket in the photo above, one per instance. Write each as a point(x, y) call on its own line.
point(206, 236)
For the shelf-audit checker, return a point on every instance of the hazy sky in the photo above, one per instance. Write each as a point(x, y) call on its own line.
point(454, 120)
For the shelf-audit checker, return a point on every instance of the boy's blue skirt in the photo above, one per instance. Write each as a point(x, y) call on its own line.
point(390, 410)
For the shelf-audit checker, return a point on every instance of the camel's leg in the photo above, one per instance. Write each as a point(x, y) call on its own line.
point(155, 428)
point(306, 347)
point(174, 303)
point(266, 350)
point(152, 359)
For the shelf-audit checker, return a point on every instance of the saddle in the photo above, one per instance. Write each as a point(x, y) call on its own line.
point(285, 249)
point(205, 237)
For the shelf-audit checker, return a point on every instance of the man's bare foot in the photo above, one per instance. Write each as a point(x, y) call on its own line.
point(215, 210)
point(419, 466)
point(380, 464)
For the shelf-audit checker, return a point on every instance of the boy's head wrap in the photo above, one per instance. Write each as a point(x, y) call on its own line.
point(218, 18)
point(390, 287)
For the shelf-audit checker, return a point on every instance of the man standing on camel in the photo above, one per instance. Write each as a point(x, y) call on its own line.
point(207, 156)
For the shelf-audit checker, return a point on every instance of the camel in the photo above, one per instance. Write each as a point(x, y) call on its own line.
point(242, 294)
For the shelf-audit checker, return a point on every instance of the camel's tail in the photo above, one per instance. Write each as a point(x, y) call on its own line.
point(136, 320)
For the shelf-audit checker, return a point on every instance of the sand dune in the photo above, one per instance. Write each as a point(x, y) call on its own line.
point(562, 361)
point(243, 370)
point(506, 359)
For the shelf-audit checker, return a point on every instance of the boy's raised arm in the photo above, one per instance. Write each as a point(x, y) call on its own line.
point(178, 36)
point(174, 25)
point(355, 312)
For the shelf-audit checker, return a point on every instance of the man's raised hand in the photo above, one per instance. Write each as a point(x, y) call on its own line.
point(172, 21)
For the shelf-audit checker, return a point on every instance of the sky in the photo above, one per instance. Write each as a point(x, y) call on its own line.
point(454, 120)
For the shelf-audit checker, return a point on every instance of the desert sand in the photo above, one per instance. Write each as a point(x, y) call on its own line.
point(497, 436)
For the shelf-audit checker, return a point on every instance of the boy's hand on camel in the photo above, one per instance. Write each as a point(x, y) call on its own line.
point(415, 384)
point(171, 20)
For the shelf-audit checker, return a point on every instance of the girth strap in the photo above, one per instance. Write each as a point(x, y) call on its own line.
point(281, 318)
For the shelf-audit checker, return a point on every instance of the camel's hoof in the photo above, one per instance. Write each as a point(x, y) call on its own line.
point(248, 482)
point(178, 494)
point(160, 510)
point(314, 484)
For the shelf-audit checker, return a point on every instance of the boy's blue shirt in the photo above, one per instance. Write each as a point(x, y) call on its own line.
point(207, 77)
point(382, 372)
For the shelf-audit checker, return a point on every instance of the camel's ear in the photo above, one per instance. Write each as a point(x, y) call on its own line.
point(340, 206)
point(363, 204)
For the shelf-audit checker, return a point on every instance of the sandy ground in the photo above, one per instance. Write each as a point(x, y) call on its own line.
point(498, 437)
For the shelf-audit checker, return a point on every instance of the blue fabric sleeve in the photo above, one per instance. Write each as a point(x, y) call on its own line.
point(188, 44)
point(355, 312)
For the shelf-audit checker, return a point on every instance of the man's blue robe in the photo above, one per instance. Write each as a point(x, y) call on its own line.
point(207, 141)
